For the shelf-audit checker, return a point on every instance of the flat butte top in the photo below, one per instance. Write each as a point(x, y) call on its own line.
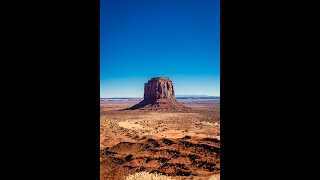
point(160, 78)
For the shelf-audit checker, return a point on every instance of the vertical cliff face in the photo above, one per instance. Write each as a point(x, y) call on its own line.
point(158, 88)
point(159, 95)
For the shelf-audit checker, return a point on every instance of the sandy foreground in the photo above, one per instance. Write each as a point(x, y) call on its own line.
point(183, 145)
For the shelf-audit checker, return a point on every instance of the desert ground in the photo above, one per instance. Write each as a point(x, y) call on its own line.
point(182, 145)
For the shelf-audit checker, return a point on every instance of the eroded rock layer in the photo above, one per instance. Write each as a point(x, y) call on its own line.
point(159, 95)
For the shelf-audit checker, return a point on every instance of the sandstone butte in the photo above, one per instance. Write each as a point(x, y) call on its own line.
point(159, 95)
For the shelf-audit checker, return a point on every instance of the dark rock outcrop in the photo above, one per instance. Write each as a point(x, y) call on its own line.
point(158, 88)
point(159, 95)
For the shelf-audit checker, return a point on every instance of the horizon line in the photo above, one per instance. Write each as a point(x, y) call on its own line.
point(175, 96)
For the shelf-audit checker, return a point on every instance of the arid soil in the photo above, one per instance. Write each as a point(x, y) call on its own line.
point(183, 145)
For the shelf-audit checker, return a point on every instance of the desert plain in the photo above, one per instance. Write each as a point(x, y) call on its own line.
point(181, 144)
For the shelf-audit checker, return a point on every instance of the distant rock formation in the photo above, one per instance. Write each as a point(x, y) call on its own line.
point(158, 88)
point(159, 95)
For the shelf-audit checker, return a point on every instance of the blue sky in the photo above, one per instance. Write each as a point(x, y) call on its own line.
point(141, 39)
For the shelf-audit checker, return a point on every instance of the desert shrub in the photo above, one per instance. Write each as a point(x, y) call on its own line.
point(214, 177)
point(129, 157)
point(147, 176)
point(136, 137)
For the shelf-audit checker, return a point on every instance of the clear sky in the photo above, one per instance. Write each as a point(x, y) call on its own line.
point(141, 39)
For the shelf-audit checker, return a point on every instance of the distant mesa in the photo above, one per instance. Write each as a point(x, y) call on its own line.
point(159, 95)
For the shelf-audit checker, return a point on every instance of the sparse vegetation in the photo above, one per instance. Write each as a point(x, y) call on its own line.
point(147, 176)
point(133, 141)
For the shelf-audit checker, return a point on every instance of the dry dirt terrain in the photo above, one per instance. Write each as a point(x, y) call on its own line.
point(183, 145)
